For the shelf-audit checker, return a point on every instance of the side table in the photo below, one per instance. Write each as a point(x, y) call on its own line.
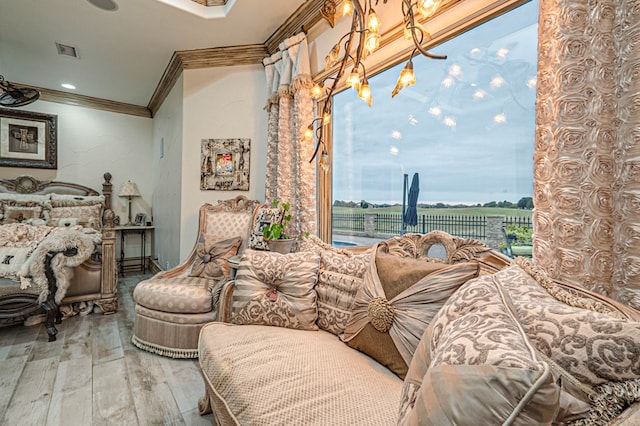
point(138, 263)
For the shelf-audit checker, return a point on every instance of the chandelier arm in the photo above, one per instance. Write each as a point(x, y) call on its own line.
point(356, 22)
point(416, 42)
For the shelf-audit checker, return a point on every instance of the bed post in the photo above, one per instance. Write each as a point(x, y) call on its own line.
point(108, 302)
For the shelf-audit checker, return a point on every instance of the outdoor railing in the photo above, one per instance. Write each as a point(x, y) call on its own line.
point(391, 224)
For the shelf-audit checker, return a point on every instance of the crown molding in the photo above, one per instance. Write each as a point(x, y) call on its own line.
point(66, 98)
point(225, 56)
point(169, 77)
point(305, 17)
point(211, 2)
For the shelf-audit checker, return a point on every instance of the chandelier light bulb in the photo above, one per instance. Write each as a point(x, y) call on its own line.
point(326, 119)
point(353, 79)
point(308, 134)
point(407, 78)
point(372, 42)
point(373, 22)
point(418, 29)
point(324, 161)
point(427, 8)
point(316, 91)
point(364, 92)
point(347, 7)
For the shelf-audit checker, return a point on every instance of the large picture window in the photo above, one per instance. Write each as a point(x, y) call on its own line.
point(466, 130)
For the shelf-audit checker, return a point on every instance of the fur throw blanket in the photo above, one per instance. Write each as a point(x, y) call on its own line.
point(33, 270)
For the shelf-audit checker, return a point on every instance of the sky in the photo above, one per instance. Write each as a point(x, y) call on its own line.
point(466, 127)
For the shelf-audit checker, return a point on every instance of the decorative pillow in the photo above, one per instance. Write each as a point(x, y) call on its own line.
point(389, 316)
point(212, 257)
point(22, 214)
point(11, 259)
point(264, 215)
point(68, 222)
point(339, 278)
point(276, 289)
point(67, 200)
point(475, 365)
point(592, 347)
point(30, 205)
point(90, 214)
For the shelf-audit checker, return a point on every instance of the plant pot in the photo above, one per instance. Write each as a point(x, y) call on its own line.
point(282, 246)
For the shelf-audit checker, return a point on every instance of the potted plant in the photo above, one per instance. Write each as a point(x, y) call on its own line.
point(274, 234)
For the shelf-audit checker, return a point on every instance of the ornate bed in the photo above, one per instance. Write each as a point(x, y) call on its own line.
point(48, 228)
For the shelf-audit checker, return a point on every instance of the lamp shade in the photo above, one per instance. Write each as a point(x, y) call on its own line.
point(129, 189)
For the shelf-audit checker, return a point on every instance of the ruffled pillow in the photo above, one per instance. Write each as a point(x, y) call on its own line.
point(388, 319)
point(212, 257)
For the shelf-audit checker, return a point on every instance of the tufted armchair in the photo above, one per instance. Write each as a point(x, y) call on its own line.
point(173, 305)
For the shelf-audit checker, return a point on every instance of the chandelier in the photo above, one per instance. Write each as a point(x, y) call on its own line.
point(362, 40)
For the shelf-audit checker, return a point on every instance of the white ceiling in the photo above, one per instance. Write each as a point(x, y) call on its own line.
point(123, 53)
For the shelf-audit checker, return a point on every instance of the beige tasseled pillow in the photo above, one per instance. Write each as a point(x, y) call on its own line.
point(276, 289)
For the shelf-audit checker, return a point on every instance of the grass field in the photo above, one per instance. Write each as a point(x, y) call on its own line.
point(463, 211)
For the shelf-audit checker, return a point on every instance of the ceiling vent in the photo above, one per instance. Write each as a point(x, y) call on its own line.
point(66, 50)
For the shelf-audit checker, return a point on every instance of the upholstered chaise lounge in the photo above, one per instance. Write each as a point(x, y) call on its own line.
point(172, 306)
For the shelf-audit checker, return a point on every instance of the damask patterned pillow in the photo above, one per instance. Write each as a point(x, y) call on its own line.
point(389, 316)
point(67, 200)
point(339, 278)
point(276, 289)
point(90, 214)
point(593, 347)
point(263, 215)
point(212, 257)
point(475, 365)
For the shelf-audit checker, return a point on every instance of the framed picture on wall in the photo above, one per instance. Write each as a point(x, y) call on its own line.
point(28, 139)
point(224, 164)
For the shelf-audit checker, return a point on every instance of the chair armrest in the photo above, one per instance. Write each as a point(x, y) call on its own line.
point(224, 301)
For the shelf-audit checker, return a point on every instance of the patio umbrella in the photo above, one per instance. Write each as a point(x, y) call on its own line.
point(411, 215)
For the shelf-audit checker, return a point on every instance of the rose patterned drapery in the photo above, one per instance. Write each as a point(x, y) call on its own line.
point(587, 152)
point(290, 177)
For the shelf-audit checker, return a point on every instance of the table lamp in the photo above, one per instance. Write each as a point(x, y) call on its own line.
point(129, 190)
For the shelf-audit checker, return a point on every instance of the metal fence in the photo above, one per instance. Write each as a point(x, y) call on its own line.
point(391, 223)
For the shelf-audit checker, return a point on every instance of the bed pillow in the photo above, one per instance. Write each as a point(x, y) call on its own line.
point(276, 289)
point(90, 214)
point(212, 257)
point(11, 260)
point(339, 278)
point(17, 208)
point(67, 200)
point(389, 316)
point(475, 365)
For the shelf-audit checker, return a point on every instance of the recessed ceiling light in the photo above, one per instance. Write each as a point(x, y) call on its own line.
point(104, 4)
point(68, 86)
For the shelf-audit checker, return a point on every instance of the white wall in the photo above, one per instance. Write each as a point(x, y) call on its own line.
point(225, 102)
point(167, 177)
point(91, 142)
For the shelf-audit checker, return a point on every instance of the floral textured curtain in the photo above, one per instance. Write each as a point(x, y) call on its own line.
point(290, 176)
point(587, 153)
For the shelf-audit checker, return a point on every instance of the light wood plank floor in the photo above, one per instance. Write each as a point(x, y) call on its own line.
point(93, 375)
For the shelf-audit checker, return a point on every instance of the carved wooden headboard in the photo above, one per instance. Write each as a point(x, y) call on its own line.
point(29, 185)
